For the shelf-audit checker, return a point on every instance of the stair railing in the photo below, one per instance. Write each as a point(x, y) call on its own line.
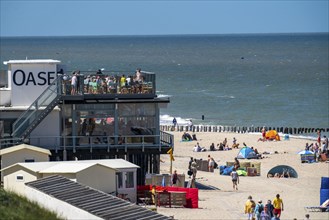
point(33, 112)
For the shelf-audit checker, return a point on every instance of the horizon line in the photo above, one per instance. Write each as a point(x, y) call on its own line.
point(164, 35)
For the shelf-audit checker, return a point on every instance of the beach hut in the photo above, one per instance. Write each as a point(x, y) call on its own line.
point(247, 153)
point(280, 169)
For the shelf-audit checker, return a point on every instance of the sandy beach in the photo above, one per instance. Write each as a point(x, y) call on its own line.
point(225, 203)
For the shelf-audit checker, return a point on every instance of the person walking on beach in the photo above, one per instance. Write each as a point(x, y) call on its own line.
point(259, 209)
point(189, 171)
point(249, 208)
point(194, 169)
point(235, 179)
point(264, 215)
point(325, 145)
point(174, 121)
point(211, 163)
point(319, 137)
point(278, 205)
point(174, 178)
point(270, 208)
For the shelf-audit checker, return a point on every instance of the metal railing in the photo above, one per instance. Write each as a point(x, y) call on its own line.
point(108, 83)
point(95, 142)
point(35, 109)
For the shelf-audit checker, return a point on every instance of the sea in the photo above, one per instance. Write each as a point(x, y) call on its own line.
point(272, 80)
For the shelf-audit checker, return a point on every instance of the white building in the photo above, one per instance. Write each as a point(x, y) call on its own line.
point(97, 121)
point(114, 176)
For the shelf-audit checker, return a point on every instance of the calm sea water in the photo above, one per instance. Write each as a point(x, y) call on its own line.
point(243, 80)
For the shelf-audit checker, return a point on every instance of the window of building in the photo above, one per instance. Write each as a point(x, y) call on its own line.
point(29, 160)
point(6, 127)
point(137, 119)
point(20, 177)
point(129, 179)
point(119, 180)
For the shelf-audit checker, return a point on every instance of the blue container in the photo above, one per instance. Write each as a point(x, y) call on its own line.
point(324, 182)
point(324, 195)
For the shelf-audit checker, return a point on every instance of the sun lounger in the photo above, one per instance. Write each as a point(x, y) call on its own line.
point(317, 209)
point(322, 208)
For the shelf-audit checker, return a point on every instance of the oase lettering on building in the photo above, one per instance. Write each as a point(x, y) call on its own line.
point(42, 78)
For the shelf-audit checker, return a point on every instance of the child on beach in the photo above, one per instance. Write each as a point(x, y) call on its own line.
point(153, 192)
point(235, 179)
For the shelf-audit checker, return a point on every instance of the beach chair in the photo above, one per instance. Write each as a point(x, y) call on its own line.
point(324, 207)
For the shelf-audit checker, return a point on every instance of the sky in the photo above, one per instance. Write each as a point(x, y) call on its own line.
point(73, 18)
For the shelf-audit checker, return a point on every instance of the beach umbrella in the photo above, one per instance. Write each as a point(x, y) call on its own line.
point(306, 152)
point(307, 156)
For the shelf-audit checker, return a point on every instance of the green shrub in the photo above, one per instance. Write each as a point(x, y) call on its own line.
point(16, 207)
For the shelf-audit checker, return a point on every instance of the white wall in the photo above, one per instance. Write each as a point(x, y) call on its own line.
point(63, 209)
point(5, 97)
point(10, 183)
point(49, 128)
point(20, 156)
point(98, 177)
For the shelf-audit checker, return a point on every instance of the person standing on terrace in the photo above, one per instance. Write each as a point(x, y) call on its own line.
point(139, 77)
point(74, 82)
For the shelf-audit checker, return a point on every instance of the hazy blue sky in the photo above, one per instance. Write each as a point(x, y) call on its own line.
point(62, 18)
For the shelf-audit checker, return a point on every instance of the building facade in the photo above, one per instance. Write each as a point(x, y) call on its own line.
point(84, 115)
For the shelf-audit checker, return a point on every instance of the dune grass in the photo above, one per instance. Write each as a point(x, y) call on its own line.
point(16, 207)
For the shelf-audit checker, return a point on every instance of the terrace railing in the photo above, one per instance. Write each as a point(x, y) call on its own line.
point(97, 142)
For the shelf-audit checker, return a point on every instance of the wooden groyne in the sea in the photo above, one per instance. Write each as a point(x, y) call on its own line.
point(238, 129)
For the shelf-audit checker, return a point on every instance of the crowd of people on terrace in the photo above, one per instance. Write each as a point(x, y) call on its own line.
point(100, 83)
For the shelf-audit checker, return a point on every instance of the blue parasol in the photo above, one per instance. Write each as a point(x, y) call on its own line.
point(306, 152)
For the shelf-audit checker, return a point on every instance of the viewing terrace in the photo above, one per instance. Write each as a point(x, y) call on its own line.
point(110, 84)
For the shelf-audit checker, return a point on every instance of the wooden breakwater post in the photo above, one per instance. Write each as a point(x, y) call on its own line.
point(240, 129)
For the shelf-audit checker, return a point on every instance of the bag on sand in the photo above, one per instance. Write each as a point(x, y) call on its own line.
point(215, 165)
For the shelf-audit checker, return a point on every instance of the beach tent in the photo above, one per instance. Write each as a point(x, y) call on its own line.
point(272, 135)
point(283, 168)
point(247, 153)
